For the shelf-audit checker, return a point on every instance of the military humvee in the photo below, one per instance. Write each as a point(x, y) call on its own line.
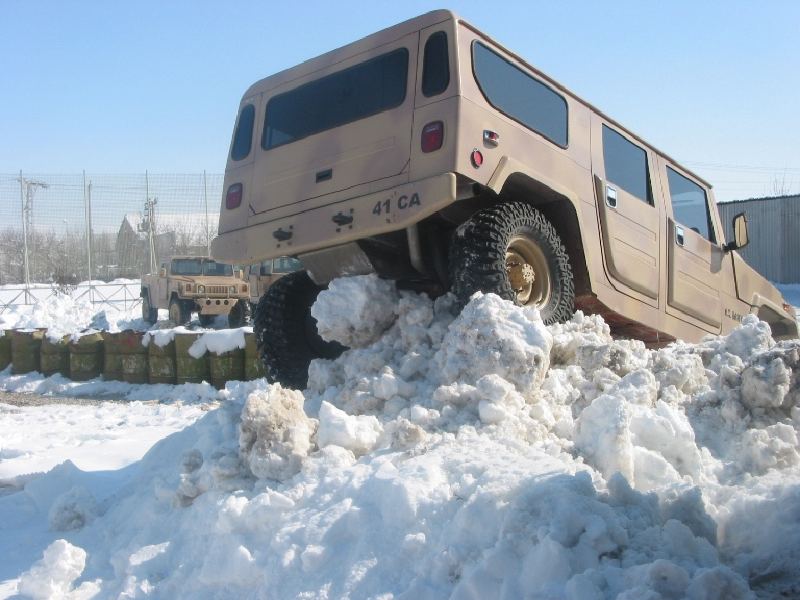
point(196, 284)
point(262, 275)
point(432, 155)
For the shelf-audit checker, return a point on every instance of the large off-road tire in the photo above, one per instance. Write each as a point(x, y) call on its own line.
point(239, 314)
point(513, 251)
point(286, 333)
point(178, 313)
point(149, 313)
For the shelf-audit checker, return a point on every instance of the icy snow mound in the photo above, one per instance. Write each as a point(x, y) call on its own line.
point(477, 454)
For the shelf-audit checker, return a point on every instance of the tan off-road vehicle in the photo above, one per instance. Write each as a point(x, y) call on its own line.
point(196, 284)
point(433, 155)
point(262, 275)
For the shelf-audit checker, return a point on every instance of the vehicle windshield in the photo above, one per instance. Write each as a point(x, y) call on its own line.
point(198, 266)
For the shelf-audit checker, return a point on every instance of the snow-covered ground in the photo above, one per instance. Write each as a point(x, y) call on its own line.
point(480, 455)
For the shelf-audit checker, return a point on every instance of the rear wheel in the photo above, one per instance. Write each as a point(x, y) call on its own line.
point(286, 333)
point(149, 314)
point(513, 251)
point(177, 312)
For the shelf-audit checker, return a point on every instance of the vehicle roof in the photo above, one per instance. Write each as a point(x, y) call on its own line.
point(190, 256)
point(389, 34)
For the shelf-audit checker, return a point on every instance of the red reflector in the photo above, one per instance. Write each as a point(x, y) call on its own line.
point(234, 196)
point(477, 158)
point(432, 136)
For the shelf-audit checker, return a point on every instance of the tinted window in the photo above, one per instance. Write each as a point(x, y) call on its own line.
point(523, 98)
point(435, 65)
point(626, 165)
point(211, 267)
point(355, 93)
point(187, 266)
point(689, 204)
point(243, 138)
point(286, 264)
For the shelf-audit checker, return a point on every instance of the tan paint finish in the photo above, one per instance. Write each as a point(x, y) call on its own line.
point(639, 277)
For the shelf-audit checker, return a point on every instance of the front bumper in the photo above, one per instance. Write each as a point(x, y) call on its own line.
point(336, 223)
point(215, 306)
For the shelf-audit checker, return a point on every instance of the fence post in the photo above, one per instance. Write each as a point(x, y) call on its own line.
point(87, 208)
point(205, 200)
point(26, 271)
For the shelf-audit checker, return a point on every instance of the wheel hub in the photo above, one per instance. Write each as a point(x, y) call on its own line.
point(528, 273)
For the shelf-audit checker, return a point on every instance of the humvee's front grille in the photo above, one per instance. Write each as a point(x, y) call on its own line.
point(217, 289)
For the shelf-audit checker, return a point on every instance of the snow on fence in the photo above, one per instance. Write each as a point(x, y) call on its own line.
point(121, 295)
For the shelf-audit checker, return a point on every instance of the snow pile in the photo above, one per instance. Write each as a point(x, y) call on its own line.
point(471, 455)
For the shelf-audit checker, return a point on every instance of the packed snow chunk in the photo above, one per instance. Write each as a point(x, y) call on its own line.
point(603, 436)
point(579, 331)
point(72, 509)
point(774, 447)
point(218, 342)
point(275, 433)
point(680, 367)
point(719, 583)
point(492, 336)
point(355, 311)
point(357, 433)
point(766, 380)
point(746, 340)
point(53, 575)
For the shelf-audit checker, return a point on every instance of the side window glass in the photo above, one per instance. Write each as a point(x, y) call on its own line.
point(266, 267)
point(690, 205)
point(522, 97)
point(435, 65)
point(243, 138)
point(626, 165)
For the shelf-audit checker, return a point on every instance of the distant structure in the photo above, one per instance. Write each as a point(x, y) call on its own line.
point(184, 234)
point(774, 226)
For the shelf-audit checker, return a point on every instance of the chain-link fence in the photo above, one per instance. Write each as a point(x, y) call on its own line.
point(63, 229)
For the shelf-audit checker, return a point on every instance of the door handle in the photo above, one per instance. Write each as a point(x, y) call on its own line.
point(679, 235)
point(611, 197)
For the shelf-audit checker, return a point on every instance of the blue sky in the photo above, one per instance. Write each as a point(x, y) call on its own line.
point(114, 87)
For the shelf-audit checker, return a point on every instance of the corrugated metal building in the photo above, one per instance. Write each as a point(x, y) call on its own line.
point(774, 227)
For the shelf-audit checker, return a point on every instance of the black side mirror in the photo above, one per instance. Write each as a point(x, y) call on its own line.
point(740, 236)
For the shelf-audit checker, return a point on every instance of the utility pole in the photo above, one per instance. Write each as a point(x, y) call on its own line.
point(88, 216)
point(27, 188)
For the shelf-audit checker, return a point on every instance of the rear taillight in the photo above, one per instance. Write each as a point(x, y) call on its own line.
point(234, 196)
point(432, 136)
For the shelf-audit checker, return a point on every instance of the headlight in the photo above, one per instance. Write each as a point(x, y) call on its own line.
point(232, 289)
point(201, 289)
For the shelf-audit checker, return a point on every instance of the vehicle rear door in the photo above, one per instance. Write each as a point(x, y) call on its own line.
point(345, 126)
point(629, 216)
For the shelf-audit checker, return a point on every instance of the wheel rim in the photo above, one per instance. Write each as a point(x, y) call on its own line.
point(528, 273)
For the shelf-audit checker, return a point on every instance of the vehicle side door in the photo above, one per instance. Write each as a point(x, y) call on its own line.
point(163, 284)
point(630, 218)
point(694, 257)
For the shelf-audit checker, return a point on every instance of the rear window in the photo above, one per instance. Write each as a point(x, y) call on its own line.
point(361, 91)
point(523, 98)
point(243, 138)
point(435, 65)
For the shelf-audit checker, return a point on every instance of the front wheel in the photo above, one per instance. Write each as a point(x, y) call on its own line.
point(239, 314)
point(513, 251)
point(149, 314)
point(286, 333)
point(178, 313)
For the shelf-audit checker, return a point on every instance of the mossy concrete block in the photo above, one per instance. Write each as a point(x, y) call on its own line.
point(228, 366)
point(26, 351)
point(86, 357)
point(189, 369)
point(161, 362)
point(134, 356)
point(112, 358)
point(5, 349)
point(253, 365)
point(55, 356)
